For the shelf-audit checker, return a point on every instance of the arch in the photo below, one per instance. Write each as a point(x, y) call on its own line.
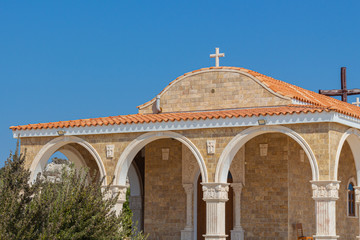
point(351, 180)
point(243, 137)
point(72, 153)
point(352, 136)
point(137, 144)
point(52, 146)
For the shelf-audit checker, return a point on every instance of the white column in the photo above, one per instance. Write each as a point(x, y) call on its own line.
point(188, 232)
point(121, 190)
point(357, 200)
point(238, 232)
point(325, 194)
point(215, 195)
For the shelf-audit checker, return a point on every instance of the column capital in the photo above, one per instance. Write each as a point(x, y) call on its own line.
point(121, 190)
point(237, 187)
point(189, 188)
point(357, 194)
point(325, 190)
point(215, 192)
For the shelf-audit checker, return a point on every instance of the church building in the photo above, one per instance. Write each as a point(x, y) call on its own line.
point(221, 153)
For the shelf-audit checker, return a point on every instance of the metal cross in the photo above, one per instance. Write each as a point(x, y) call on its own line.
point(357, 103)
point(343, 92)
point(217, 55)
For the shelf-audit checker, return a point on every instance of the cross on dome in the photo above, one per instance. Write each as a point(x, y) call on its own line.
point(217, 55)
point(357, 103)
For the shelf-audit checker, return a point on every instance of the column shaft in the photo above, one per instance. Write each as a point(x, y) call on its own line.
point(188, 232)
point(215, 195)
point(357, 200)
point(238, 232)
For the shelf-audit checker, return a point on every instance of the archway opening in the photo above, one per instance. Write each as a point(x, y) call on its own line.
point(136, 176)
point(71, 153)
point(167, 167)
point(347, 222)
point(276, 193)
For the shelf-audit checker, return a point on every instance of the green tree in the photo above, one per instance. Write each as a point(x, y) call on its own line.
point(74, 208)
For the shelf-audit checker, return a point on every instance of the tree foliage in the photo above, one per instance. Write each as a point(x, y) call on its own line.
point(74, 208)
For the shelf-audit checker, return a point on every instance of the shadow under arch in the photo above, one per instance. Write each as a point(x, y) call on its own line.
point(137, 144)
point(54, 145)
point(243, 137)
point(352, 136)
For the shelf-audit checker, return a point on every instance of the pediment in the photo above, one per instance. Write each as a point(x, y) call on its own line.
point(215, 89)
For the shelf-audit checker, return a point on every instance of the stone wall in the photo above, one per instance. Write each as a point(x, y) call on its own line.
point(264, 201)
point(347, 227)
point(165, 198)
point(301, 204)
point(217, 89)
point(277, 193)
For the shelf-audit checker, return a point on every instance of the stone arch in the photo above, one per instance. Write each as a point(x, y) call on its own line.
point(352, 136)
point(137, 144)
point(351, 180)
point(243, 137)
point(54, 145)
point(72, 153)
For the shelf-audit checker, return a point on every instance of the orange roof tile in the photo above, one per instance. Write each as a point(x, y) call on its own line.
point(288, 90)
point(319, 103)
point(182, 116)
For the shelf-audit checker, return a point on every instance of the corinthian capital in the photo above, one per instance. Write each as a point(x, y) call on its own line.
point(188, 188)
point(215, 192)
point(357, 194)
point(237, 187)
point(121, 190)
point(325, 190)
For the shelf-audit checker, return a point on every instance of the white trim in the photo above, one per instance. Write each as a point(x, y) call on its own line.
point(196, 124)
point(52, 146)
point(352, 136)
point(298, 102)
point(137, 144)
point(239, 71)
point(243, 137)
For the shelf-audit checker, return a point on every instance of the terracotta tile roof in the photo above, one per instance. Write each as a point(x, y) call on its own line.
point(318, 103)
point(288, 90)
point(172, 117)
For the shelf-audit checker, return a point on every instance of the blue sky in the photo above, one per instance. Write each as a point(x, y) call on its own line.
point(64, 60)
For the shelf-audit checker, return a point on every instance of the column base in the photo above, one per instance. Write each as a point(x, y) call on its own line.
point(325, 237)
point(215, 237)
point(187, 234)
point(237, 234)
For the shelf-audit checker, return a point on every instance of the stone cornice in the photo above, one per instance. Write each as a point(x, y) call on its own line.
point(300, 118)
